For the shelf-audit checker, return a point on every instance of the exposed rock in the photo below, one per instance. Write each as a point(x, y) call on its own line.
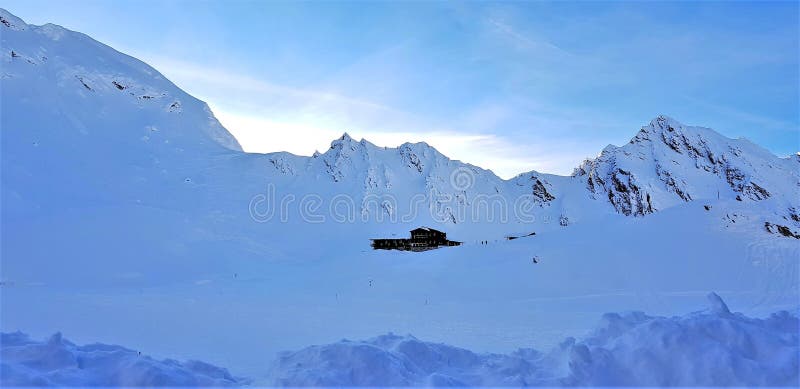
point(779, 229)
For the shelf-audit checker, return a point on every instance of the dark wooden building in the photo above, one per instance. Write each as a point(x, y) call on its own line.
point(422, 238)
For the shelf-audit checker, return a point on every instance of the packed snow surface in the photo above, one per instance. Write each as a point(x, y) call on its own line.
point(713, 347)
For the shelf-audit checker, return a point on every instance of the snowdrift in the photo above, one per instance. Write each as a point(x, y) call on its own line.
point(713, 347)
point(59, 362)
point(710, 348)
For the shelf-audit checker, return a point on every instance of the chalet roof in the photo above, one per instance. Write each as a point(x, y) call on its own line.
point(425, 229)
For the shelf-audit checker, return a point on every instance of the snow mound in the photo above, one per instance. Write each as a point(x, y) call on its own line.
point(59, 362)
point(711, 348)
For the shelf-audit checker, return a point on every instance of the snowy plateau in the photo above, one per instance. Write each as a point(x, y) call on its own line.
point(131, 216)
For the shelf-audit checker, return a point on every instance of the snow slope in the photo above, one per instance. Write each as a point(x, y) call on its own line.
point(97, 125)
point(129, 219)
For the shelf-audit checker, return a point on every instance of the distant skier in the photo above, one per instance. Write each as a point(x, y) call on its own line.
point(535, 259)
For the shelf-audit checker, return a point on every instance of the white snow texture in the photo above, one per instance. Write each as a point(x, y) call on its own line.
point(59, 362)
point(713, 347)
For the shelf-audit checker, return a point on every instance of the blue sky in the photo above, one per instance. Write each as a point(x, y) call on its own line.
point(507, 86)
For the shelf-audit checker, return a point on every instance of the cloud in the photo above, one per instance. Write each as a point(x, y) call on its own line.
point(269, 117)
point(507, 133)
point(197, 76)
point(761, 121)
point(524, 41)
point(504, 156)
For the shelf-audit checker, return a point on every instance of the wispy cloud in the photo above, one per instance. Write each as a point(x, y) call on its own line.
point(268, 117)
point(191, 74)
point(508, 87)
point(762, 122)
point(523, 40)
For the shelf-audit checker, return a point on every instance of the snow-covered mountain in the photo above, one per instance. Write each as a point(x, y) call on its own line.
point(93, 86)
point(92, 122)
point(664, 165)
point(112, 128)
point(130, 215)
point(668, 163)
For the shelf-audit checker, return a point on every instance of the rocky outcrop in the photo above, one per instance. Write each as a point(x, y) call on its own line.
point(668, 163)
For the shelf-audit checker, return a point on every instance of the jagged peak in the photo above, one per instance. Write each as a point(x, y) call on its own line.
point(666, 125)
point(421, 144)
point(346, 145)
point(347, 139)
point(660, 125)
point(423, 148)
point(665, 122)
point(343, 140)
point(668, 132)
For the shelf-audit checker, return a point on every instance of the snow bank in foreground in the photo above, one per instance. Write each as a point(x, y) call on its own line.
point(711, 348)
point(59, 362)
point(708, 348)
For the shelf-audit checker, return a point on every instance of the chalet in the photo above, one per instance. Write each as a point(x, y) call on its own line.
point(422, 238)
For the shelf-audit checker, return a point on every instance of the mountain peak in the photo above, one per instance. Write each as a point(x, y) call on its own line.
point(678, 137)
point(420, 145)
point(664, 120)
point(346, 141)
point(663, 123)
